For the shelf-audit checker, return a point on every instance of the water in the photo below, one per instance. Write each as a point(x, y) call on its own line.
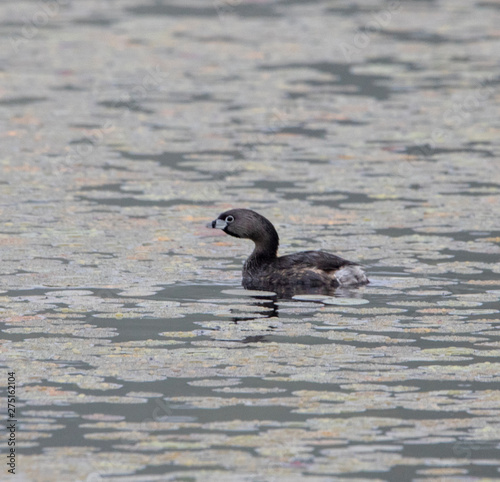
point(367, 129)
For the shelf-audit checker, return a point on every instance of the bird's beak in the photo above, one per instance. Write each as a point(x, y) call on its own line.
point(217, 224)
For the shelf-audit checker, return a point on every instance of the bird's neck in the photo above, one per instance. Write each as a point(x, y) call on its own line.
point(265, 251)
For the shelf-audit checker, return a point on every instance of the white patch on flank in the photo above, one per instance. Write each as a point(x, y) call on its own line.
point(351, 275)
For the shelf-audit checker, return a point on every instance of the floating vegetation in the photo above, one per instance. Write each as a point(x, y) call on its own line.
point(137, 354)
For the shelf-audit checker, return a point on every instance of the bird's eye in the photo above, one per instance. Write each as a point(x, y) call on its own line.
point(229, 219)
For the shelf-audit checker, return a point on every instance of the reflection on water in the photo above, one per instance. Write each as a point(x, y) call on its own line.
point(408, 369)
point(367, 130)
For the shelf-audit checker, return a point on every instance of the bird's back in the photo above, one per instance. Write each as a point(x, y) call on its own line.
point(321, 260)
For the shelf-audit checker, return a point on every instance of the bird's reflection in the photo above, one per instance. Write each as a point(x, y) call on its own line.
point(270, 302)
point(265, 301)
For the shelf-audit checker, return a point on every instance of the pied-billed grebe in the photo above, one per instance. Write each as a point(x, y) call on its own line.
point(264, 270)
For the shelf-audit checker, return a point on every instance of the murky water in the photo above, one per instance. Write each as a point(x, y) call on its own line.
point(369, 129)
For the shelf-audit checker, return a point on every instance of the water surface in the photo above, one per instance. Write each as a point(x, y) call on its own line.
point(367, 129)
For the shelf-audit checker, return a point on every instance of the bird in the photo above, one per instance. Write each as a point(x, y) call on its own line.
point(303, 272)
